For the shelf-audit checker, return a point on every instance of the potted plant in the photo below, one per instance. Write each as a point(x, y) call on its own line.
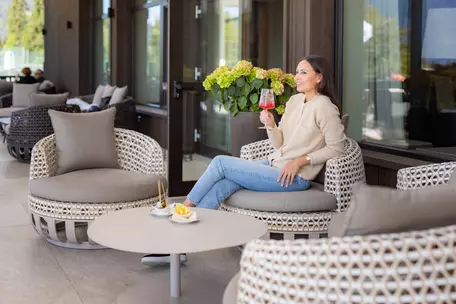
point(238, 90)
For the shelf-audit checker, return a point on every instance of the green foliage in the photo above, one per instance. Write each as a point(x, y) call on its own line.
point(25, 31)
point(238, 89)
point(17, 20)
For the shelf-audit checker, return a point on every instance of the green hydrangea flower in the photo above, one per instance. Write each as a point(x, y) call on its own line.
point(290, 80)
point(277, 87)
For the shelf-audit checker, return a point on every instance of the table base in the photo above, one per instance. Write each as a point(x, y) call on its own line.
point(195, 290)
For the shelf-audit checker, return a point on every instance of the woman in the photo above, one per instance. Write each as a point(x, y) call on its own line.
point(310, 133)
point(27, 78)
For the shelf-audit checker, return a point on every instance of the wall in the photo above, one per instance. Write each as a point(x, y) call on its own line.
point(67, 50)
point(309, 29)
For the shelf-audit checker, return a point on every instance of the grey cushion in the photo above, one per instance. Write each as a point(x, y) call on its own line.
point(21, 93)
point(6, 87)
point(108, 91)
point(84, 140)
point(383, 210)
point(47, 99)
point(313, 199)
point(118, 95)
point(97, 186)
point(6, 112)
point(98, 94)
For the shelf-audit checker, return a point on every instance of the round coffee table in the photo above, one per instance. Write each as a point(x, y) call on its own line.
point(135, 230)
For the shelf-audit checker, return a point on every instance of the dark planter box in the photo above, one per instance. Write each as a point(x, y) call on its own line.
point(244, 130)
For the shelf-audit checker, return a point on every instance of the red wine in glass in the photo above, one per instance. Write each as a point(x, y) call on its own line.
point(267, 101)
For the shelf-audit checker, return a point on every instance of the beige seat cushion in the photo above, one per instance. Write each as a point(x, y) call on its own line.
point(375, 210)
point(48, 99)
point(97, 186)
point(84, 140)
point(313, 199)
point(21, 92)
point(6, 112)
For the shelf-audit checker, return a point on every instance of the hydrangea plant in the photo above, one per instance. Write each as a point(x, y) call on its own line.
point(238, 88)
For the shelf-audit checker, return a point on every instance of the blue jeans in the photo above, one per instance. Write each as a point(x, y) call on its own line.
point(226, 175)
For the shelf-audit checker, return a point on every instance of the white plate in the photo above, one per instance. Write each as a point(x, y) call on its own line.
point(161, 211)
point(181, 220)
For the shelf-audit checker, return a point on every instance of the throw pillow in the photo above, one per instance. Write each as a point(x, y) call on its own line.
point(104, 102)
point(21, 94)
point(98, 95)
point(118, 95)
point(37, 99)
point(108, 91)
point(376, 210)
point(84, 140)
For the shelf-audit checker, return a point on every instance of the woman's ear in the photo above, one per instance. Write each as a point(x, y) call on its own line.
point(319, 78)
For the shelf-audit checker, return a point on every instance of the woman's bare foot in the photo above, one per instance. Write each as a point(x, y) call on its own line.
point(188, 203)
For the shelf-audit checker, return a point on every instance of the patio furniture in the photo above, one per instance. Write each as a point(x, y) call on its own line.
point(4, 127)
point(28, 126)
point(62, 206)
point(126, 116)
point(316, 206)
point(402, 267)
point(139, 231)
point(409, 267)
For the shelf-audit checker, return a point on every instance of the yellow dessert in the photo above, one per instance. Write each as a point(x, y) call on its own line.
point(181, 209)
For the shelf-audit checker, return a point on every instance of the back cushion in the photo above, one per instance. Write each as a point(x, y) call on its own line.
point(5, 87)
point(376, 210)
point(48, 99)
point(98, 95)
point(21, 94)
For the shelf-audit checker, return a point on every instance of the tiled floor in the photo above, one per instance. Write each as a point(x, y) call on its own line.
point(33, 271)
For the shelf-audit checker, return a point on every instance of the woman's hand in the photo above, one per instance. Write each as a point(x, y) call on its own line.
point(288, 173)
point(267, 119)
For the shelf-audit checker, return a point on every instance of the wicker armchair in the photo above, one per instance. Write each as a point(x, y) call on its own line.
point(341, 173)
point(412, 267)
point(126, 116)
point(30, 125)
point(408, 267)
point(65, 223)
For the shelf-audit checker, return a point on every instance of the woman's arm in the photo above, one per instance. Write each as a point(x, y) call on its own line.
point(328, 120)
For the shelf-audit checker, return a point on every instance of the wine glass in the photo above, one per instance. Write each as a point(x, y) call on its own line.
point(266, 102)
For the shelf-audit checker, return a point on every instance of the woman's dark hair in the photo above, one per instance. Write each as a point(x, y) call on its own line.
point(325, 86)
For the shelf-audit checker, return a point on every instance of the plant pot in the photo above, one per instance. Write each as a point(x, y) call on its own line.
point(244, 130)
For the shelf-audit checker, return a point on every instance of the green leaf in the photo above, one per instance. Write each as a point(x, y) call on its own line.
point(257, 83)
point(254, 98)
point(231, 90)
point(265, 84)
point(246, 90)
point(234, 111)
point(225, 95)
point(240, 82)
point(238, 92)
point(227, 106)
point(242, 102)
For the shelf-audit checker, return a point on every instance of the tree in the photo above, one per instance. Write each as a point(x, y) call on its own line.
point(17, 20)
point(33, 38)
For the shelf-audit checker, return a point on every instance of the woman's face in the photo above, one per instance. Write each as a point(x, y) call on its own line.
point(306, 78)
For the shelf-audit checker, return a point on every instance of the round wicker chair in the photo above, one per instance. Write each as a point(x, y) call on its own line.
point(411, 267)
point(65, 223)
point(30, 125)
point(340, 175)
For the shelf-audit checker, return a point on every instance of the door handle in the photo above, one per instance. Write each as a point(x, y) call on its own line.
point(179, 86)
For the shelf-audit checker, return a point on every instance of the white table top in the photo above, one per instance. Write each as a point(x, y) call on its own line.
point(135, 230)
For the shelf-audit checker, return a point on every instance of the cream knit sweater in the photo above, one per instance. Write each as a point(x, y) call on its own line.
point(313, 128)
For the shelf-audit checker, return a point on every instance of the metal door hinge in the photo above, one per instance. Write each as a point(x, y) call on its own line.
point(196, 136)
point(197, 12)
point(197, 73)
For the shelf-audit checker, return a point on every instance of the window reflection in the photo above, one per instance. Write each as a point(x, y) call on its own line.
point(400, 73)
point(147, 55)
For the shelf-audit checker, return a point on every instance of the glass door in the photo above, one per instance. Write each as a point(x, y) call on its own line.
point(203, 35)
